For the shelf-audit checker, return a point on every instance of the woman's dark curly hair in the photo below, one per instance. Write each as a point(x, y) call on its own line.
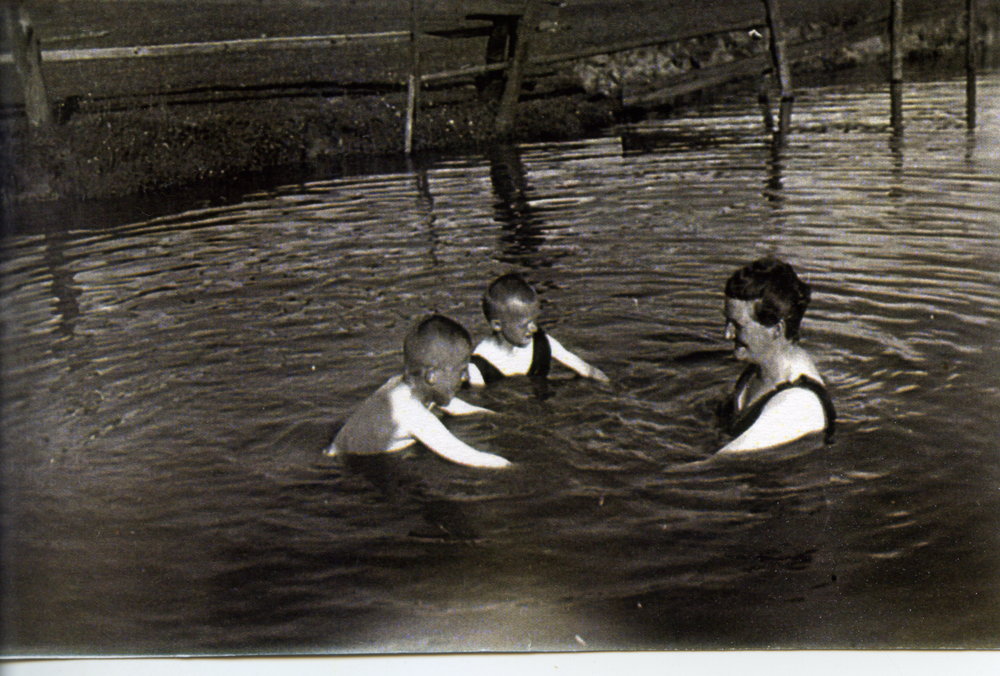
point(777, 290)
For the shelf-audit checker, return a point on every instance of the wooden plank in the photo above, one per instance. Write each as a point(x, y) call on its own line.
point(512, 90)
point(776, 29)
point(221, 47)
point(702, 78)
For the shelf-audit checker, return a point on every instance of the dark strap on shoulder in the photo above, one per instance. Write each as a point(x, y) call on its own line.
point(727, 409)
point(541, 356)
point(824, 397)
point(745, 420)
point(490, 373)
point(541, 361)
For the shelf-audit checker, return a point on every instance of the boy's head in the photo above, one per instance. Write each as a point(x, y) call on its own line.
point(436, 355)
point(511, 307)
point(776, 291)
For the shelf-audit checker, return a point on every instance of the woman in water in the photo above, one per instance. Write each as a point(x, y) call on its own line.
point(780, 397)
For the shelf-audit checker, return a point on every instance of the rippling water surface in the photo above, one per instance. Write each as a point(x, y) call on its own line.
point(169, 384)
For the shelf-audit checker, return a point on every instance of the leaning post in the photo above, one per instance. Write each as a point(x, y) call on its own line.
point(515, 72)
point(28, 61)
point(970, 62)
point(413, 84)
point(778, 53)
point(896, 62)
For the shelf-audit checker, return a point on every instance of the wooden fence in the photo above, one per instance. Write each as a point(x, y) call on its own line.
point(509, 57)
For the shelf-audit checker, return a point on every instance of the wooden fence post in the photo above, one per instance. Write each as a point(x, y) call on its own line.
point(515, 72)
point(28, 61)
point(413, 85)
point(896, 62)
point(778, 55)
point(970, 62)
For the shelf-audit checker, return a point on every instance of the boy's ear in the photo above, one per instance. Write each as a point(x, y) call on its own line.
point(496, 324)
point(430, 375)
point(779, 329)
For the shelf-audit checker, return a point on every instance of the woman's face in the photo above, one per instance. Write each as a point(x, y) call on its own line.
point(752, 341)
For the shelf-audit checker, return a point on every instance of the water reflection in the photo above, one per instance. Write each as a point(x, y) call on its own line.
point(64, 288)
point(522, 228)
point(779, 146)
point(425, 209)
point(896, 104)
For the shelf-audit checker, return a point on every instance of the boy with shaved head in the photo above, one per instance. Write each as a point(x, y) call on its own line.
point(375, 439)
point(435, 356)
point(518, 345)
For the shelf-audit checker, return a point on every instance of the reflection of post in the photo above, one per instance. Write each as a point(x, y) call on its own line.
point(896, 107)
point(522, 235)
point(425, 207)
point(765, 104)
point(896, 63)
point(970, 63)
point(785, 120)
point(515, 72)
point(778, 53)
point(63, 288)
point(779, 142)
point(896, 148)
point(28, 59)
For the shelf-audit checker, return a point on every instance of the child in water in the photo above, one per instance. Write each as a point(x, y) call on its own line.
point(401, 413)
point(518, 346)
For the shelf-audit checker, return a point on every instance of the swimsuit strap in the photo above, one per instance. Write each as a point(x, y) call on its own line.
point(490, 373)
point(727, 409)
point(541, 361)
point(825, 399)
point(746, 418)
point(541, 356)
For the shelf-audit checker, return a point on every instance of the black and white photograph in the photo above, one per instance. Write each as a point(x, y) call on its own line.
point(353, 328)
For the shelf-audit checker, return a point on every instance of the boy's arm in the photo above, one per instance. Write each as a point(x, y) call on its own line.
point(424, 426)
point(571, 361)
point(791, 415)
point(458, 407)
point(476, 378)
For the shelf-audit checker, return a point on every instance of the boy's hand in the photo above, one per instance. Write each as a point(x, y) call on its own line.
point(499, 463)
point(458, 407)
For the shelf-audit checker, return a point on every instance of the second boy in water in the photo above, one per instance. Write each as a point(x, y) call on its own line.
point(518, 346)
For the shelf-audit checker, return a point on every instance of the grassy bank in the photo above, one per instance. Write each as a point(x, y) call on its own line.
point(164, 125)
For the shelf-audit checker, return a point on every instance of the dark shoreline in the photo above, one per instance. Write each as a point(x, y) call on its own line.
point(155, 147)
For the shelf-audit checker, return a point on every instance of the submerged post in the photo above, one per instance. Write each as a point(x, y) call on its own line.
point(970, 63)
point(413, 84)
point(515, 72)
point(896, 62)
point(778, 53)
point(28, 60)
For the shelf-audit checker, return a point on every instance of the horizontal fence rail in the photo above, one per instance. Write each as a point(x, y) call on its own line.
point(201, 48)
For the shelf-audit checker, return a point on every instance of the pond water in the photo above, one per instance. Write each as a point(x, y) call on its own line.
point(169, 384)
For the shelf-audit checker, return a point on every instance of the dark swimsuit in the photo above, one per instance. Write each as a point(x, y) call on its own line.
point(738, 422)
point(541, 361)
